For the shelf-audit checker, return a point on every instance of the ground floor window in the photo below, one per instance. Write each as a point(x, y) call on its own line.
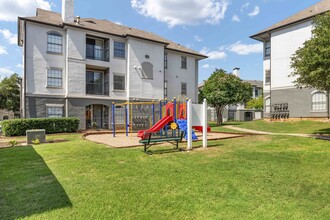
point(54, 111)
point(319, 101)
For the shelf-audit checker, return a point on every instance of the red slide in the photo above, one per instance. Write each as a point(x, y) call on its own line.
point(200, 128)
point(159, 125)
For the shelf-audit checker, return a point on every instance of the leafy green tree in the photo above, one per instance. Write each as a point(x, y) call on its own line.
point(223, 89)
point(10, 93)
point(256, 103)
point(311, 63)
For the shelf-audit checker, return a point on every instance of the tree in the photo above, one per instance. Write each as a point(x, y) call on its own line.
point(223, 89)
point(256, 103)
point(311, 63)
point(10, 93)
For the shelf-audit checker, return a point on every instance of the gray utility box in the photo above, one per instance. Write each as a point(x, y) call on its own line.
point(32, 135)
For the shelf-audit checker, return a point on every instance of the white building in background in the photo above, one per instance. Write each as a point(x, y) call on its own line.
point(76, 67)
point(281, 41)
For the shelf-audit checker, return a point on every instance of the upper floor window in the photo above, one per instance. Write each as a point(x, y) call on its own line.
point(54, 111)
point(267, 49)
point(119, 49)
point(94, 82)
point(54, 77)
point(118, 82)
point(96, 50)
point(319, 101)
point(267, 77)
point(165, 60)
point(183, 88)
point(54, 42)
point(183, 62)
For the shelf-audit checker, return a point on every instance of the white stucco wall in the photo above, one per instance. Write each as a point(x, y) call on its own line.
point(175, 75)
point(146, 88)
point(284, 44)
point(38, 60)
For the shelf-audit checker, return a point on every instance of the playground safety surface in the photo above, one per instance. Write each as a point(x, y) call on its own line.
point(121, 141)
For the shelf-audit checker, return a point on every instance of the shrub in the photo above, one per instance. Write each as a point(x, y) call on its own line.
point(13, 143)
point(17, 127)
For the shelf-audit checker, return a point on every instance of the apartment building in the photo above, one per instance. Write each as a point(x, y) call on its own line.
point(76, 67)
point(281, 41)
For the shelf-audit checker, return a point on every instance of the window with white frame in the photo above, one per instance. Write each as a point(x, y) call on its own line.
point(267, 49)
point(319, 101)
point(267, 105)
point(54, 42)
point(183, 88)
point(183, 62)
point(54, 111)
point(119, 49)
point(54, 77)
point(118, 82)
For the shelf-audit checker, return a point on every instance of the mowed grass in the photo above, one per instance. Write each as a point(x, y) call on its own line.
point(255, 177)
point(221, 128)
point(295, 127)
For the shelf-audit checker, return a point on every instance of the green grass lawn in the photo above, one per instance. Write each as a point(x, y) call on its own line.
point(296, 127)
point(255, 177)
point(221, 128)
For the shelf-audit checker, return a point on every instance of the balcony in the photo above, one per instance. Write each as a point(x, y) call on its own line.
point(94, 52)
point(94, 89)
point(97, 49)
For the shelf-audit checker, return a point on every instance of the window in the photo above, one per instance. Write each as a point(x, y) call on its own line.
point(267, 105)
point(319, 101)
point(119, 49)
point(118, 82)
point(54, 42)
point(54, 112)
point(147, 70)
point(183, 88)
point(165, 60)
point(267, 49)
point(165, 88)
point(94, 83)
point(94, 49)
point(267, 77)
point(183, 62)
point(54, 77)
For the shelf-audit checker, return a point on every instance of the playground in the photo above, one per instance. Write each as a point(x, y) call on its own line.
point(121, 141)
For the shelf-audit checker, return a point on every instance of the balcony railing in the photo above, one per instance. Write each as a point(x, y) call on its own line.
point(94, 52)
point(94, 89)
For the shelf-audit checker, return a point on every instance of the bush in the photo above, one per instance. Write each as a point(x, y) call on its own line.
point(17, 127)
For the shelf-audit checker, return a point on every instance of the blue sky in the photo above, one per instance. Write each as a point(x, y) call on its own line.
point(218, 28)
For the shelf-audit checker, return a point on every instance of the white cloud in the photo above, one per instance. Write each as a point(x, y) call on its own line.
point(245, 49)
point(10, 37)
point(206, 66)
point(235, 18)
point(214, 55)
point(3, 50)
point(4, 72)
point(245, 6)
point(198, 39)
point(118, 22)
point(11, 9)
point(183, 12)
point(19, 65)
point(255, 11)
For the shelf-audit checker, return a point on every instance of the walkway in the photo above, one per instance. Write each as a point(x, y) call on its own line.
point(323, 137)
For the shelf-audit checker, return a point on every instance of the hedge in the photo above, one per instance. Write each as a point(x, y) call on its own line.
point(17, 127)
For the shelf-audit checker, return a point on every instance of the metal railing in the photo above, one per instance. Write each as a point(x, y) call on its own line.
point(94, 52)
point(94, 89)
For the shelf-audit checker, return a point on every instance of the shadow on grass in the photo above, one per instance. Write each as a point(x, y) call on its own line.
point(214, 124)
point(322, 131)
point(164, 150)
point(27, 185)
